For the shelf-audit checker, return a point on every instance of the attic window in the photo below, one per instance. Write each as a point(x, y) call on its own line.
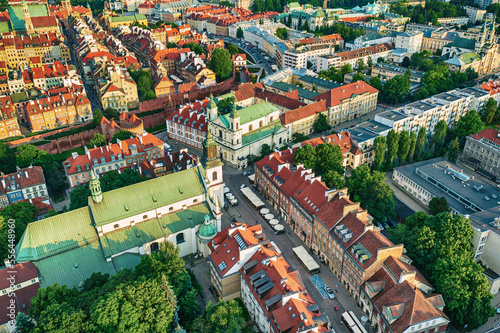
point(180, 190)
point(116, 226)
point(126, 207)
point(154, 198)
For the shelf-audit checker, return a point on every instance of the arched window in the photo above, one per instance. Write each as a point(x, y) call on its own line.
point(270, 118)
point(237, 126)
point(214, 175)
point(116, 226)
point(180, 238)
point(195, 200)
point(95, 161)
point(250, 127)
point(261, 123)
point(281, 139)
point(144, 217)
point(171, 209)
point(103, 160)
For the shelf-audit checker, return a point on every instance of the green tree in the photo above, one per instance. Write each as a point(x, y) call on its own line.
point(419, 145)
point(333, 179)
point(376, 83)
point(281, 33)
point(468, 124)
point(139, 306)
point(24, 324)
point(232, 49)
point(358, 77)
point(439, 135)
point(392, 148)
point(360, 65)
point(438, 205)
point(171, 45)
point(453, 151)
point(299, 137)
point(396, 90)
point(307, 156)
point(329, 157)
point(265, 150)
point(121, 135)
point(98, 140)
point(61, 318)
point(413, 142)
point(7, 159)
point(225, 105)
point(221, 63)
point(379, 147)
point(26, 154)
point(490, 112)
point(369, 188)
point(239, 33)
point(49, 296)
point(222, 317)
point(321, 124)
point(442, 250)
point(404, 145)
point(79, 197)
point(22, 213)
point(346, 69)
point(369, 63)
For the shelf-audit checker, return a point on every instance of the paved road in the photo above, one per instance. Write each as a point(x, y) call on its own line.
point(285, 243)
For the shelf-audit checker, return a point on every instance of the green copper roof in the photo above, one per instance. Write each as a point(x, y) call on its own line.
point(463, 43)
point(148, 195)
point(207, 230)
point(293, 5)
point(4, 27)
point(128, 238)
point(256, 111)
point(73, 267)
point(17, 17)
point(136, 17)
point(184, 219)
point(303, 93)
point(319, 13)
point(228, 95)
point(470, 57)
point(56, 234)
point(272, 129)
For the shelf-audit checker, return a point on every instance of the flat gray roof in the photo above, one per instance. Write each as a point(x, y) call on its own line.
point(482, 220)
point(449, 185)
point(393, 115)
point(367, 130)
point(448, 97)
point(423, 106)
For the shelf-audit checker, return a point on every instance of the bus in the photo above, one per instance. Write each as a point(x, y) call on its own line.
point(352, 323)
point(305, 258)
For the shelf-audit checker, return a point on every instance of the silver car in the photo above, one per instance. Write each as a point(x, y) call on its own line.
point(329, 292)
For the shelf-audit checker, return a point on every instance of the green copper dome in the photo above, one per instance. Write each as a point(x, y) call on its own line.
point(207, 230)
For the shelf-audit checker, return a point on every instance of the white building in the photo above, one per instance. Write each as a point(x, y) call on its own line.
point(298, 57)
point(485, 3)
point(323, 63)
point(243, 132)
point(410, 41)
point(461, 20)
point(369, 39)
point(474, 14)
point(188, 124)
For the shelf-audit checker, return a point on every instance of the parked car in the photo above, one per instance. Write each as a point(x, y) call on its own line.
point(392, 224)
point(378, 224)
point(386, 225)
point(246, 173)
point(243, 186)
point(329, 292)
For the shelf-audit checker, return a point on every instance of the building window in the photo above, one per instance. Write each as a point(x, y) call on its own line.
point(144, 217)
point(116, 226)
point(180, 238)
point(214, 175)
point(171, 209)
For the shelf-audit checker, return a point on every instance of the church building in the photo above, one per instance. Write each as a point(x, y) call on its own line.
point(31, 17)
point(245, 130)
point(117, 227)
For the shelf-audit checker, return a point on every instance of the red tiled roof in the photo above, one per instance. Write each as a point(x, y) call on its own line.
point(22, 297)
point(23, 272)
point(489, 134)
point(278, 99)
point(26, 177)
point(43, 204)
point(372, 242)
point(303, 112)
point(224, 247)
point(44, 21)
point(365, 51)
point(337, 95)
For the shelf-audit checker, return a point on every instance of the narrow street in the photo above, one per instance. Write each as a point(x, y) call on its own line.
point(285, 242)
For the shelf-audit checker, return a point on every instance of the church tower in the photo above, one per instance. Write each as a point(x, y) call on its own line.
point(95, 187)
point(28, 24)
point(211, 108)
point(66, 4)
point(213, 167)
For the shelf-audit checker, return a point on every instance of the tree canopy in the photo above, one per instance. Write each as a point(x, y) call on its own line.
point(221, 63)
point(441, 247)
point(321, 124)
point(159, 295)
point(325, 157)
point(369, 188)
point(144, 82)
